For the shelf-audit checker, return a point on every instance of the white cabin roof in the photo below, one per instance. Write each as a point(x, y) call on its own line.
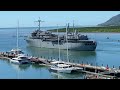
point(16, 50)
point(55, 62)
point(63, 65)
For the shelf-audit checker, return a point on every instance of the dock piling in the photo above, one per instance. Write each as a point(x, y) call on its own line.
point(119, 67)
point(91, 64)
point(113, 66)
point(82, 62)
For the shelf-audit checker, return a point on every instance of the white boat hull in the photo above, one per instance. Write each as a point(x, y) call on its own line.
point(14, 61)
point(19, 62)
point(59, 70)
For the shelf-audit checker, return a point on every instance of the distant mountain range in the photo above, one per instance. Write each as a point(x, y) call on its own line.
point(114, 21)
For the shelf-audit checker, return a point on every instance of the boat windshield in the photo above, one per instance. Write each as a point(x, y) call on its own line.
point(23, 57)
point(67, 66)
point(19, 52)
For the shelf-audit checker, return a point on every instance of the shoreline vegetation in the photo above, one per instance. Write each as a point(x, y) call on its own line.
point(110, 29)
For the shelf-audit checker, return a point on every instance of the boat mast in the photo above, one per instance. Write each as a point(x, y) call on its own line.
point(59, 50)
point(73, 27)
point(67, 40)
point(58, 43)
point(17, 34)
point(17, 46)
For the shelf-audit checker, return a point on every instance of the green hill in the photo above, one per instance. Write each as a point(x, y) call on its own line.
point(114, 21)
point(91, 29)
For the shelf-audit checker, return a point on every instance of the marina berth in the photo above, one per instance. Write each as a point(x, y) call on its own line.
point(19, 56)
point(67, 67)
point(62, 67)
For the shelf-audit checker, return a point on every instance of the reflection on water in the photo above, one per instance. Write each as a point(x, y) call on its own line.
point(67, 76)
point(20, 67)
point(24, 67)
point(24, 71)
point(74, 56)
point(37, 66)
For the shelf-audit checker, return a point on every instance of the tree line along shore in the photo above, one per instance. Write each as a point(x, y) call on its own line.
point(114, 29)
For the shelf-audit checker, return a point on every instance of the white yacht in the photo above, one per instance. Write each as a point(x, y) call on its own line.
point(64, 68)
point(20, 59)
point(56, 62)
point(16, 51)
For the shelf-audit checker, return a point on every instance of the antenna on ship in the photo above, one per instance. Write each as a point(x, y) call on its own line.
point(39, 21)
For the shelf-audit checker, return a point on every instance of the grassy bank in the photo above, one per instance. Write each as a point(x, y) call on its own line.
point(92, 29)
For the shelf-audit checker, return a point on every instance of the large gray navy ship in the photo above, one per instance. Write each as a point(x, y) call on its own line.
point(74, 40)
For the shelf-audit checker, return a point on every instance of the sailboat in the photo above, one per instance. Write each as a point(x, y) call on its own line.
point(63, 67)
point(16, 50)
point(54, 61)
point(20, 57)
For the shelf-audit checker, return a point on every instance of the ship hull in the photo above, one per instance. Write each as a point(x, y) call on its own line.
point(71, 46)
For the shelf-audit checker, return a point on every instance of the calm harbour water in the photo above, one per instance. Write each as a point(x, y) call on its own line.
point(107, 52)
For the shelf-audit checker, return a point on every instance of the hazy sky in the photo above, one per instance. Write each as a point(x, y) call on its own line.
point(52, 18)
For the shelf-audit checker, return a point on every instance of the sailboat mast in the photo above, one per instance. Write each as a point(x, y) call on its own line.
point(67, 40)
point(17, 34)
point(59, 49)
point(39, 22)
point(58, 42)
point(73, 26)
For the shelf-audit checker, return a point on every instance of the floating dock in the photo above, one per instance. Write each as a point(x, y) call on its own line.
point(93, 75)
point(91, 71)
